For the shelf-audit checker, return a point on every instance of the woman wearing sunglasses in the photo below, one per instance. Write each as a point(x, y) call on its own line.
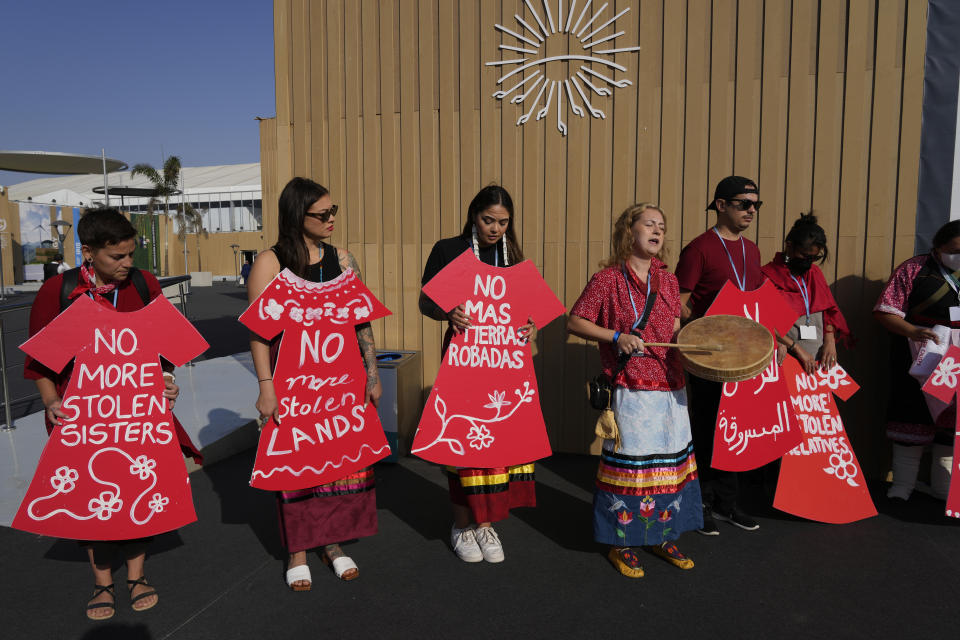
point(345, 509)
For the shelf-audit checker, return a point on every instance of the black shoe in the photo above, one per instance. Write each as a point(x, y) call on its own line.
point(738, 518)
point(709, 527)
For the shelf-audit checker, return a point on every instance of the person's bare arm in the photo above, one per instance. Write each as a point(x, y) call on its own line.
point(626, 342)
point(365, 338)
point(899, 326)
point(51, 399)
point(686, 312)
point(265, 268)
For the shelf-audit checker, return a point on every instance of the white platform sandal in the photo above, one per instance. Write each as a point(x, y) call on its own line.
point(343, 566)
point(299, 573)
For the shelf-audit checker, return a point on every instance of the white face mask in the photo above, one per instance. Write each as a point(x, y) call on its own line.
point(951, 261)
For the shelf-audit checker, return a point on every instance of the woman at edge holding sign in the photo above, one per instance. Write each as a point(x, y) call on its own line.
point(346, 509)
point(480, 496)
point(813, 338)
point(108, 276)
point(647, 492)
point(922, 292)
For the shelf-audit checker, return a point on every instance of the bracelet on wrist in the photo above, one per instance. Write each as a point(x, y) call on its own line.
point(616, 336)
point(264, 379)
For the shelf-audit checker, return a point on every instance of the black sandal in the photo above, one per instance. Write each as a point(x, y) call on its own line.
point(131, 585)
point(97, 590)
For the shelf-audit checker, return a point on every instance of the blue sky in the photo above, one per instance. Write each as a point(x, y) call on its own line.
point(133, 77)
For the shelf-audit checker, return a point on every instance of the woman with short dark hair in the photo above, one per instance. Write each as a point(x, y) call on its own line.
point(108, 276)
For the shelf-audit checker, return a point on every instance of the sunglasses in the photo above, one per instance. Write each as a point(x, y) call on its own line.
point(325, 215)
point(743, 204)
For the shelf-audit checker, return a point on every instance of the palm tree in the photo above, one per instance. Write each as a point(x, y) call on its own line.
point(165, 183)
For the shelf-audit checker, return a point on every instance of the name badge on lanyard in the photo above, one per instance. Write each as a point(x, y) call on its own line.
point(807, 331)
point(954, 311)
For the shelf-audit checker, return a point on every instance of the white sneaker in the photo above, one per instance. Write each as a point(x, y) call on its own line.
point(489, 543)
point(464, 544)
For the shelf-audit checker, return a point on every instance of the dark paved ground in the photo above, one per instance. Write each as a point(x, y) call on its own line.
point(894, 576)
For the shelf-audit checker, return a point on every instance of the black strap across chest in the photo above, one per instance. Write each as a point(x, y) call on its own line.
point(71, 278)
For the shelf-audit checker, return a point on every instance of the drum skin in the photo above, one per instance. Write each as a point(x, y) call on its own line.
point(747, 348)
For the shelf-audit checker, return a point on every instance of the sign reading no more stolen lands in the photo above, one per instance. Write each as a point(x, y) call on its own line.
point(587, 33)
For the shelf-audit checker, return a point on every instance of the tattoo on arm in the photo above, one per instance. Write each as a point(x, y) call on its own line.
point(364, 333)
point(347, 261)
point(369, 351)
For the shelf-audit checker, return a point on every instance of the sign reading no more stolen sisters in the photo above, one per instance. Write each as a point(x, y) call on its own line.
point(112, 469)
point(325, 431)
point(484, 408)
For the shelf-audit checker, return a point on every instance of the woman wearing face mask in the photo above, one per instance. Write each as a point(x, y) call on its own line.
point(480, 496)
point(813, 338)
point(920, 295)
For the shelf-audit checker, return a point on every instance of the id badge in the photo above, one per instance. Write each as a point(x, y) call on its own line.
point(954, 314)
point(809, 331)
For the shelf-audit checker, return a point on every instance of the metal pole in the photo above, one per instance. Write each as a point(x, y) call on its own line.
point(3, 293)
point(183, 308)
point(9, 426)
point(106, 191)
point(183, 204)
point(183, 301)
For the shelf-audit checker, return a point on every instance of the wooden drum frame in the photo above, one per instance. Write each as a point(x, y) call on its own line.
point(746, 348)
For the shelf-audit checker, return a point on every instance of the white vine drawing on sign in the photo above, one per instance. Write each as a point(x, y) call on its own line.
point(109, 502)
point(581, 29)
point(479, 435)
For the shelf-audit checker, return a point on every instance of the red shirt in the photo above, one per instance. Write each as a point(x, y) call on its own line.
point(46, 307)
point(704, 267)
point(606, 303)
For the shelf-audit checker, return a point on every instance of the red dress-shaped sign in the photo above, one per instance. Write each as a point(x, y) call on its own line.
point(325, 431)
point(821, 479)
point(484, 409)
point(755, 424)
point(942, 385)
point(112, 470)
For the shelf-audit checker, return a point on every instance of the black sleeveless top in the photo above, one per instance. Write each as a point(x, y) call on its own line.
point(327, 269)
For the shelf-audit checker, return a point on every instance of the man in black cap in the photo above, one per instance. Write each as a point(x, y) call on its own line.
point(711, 259)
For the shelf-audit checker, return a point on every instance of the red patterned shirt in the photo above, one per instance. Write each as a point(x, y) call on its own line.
point(606, 302)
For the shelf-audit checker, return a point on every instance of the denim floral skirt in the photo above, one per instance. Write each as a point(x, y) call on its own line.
point(647, 492)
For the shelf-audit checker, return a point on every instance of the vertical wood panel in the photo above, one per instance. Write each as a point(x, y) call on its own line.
point(389, 103)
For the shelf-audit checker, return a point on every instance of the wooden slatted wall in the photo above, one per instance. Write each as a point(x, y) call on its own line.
point(388, 103)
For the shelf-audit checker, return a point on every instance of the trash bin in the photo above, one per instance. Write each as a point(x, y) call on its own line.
point(401, 375)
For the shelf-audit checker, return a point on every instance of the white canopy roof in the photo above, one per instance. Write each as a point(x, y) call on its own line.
point(74, 190)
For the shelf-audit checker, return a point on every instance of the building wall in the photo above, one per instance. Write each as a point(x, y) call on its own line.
point(10, 241)
point(388, 103)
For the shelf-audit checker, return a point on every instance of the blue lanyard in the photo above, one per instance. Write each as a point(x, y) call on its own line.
point(94, 298)
point(630, 293)
point(805, 294)
point(740, 283)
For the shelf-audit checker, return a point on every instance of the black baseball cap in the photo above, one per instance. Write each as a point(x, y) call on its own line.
point(731, 187)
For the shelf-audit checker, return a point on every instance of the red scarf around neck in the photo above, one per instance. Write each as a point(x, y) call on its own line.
point(88, 284)
point(821, 298)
